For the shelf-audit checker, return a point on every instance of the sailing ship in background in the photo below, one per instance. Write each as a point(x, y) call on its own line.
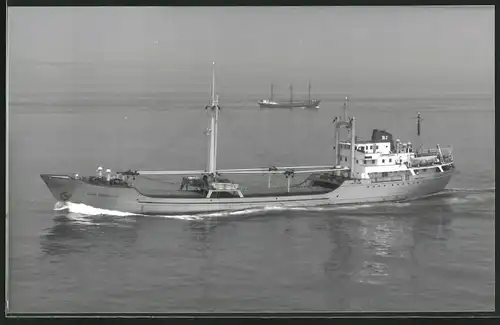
point(271, 103)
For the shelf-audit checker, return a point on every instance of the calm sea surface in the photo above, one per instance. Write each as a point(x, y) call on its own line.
point(435, 254)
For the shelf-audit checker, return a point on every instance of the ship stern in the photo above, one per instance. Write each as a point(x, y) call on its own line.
point(61, 186)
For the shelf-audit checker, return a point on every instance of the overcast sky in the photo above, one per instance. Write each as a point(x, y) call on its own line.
point(352, 44)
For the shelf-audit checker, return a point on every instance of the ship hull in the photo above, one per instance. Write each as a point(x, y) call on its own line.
point(129, 199)
point(304, 104)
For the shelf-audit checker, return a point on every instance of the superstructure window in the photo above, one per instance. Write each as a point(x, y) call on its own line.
point(383, 160)
point(390, 160)
point(365, 162)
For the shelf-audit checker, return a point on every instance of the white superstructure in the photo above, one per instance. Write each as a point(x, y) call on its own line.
point(382, 159)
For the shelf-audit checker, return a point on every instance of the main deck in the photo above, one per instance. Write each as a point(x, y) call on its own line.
point(171, 190)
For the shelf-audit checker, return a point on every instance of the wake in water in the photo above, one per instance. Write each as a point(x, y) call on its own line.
point(86, 210)
point(83, 214)
point(475, 190)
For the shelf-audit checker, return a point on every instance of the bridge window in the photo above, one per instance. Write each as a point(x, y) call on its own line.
point(383, 160)
point(390, 160)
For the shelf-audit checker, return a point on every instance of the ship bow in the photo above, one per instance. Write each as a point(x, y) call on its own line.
point(61, 186)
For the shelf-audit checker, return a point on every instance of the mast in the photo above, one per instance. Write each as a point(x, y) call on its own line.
point(216, 141)
point(214, 110)
point(353, 143)
point(419, 119)
point(336, 142)
point(272, 93)
point(418, 123)
point(340, 122)
point(208, 131)
point(291, 95)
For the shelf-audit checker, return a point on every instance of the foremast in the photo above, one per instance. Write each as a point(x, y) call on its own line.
point(214, 124)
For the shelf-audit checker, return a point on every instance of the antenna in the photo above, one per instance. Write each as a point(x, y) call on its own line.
point(213, 83)
point(345, 109)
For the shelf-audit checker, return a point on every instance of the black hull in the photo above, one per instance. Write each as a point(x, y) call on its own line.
point(303, 104)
